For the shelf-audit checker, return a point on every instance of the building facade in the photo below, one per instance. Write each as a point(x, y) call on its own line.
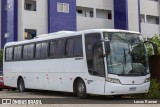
point(24, 19)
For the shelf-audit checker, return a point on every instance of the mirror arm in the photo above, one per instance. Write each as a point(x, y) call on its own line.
point(155, 47)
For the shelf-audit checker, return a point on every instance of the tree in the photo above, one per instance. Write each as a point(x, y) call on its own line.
point(156, 40)
point(1, 58)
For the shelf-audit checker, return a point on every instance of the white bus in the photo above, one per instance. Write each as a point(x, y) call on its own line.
point(98, 61)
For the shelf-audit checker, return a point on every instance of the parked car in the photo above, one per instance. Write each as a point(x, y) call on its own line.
point(2, 86)
point(1, 81)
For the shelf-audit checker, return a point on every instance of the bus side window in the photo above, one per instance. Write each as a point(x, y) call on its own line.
point(15, 53)
point(44, 50)
point(9, 54)
point(60, 53)
point(56, 48)
point(30, 51)
point(52, 49)
point(38, 51)
point(74, 46)
point(19, 52)
point(25, 49)
point(69, 51)
point(78, 46)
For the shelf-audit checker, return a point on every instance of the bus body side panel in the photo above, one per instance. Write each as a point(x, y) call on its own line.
point(7, 75)
point(52, 74)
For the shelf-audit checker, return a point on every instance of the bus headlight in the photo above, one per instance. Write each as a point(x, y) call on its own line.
point(113, 80)
point(147, 80)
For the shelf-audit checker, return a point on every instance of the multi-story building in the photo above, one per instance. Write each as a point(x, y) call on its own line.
point(24, 19)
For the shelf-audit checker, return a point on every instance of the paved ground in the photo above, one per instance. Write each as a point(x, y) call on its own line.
point(70, 100)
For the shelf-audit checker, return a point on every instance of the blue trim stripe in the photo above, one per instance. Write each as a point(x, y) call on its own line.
point(121, 14)
point(139, 15)
point(15, 20)
point(9, 21)
point(58, 21)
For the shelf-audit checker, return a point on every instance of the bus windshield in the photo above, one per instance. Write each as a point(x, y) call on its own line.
point(128, 56)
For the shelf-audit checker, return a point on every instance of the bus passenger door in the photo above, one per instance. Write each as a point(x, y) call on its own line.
point(95, 63)
point(98, 69)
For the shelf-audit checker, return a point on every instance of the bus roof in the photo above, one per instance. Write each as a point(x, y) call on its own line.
point(61, 34)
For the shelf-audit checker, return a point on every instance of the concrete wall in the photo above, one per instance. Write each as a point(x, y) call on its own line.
point(149, 30)
point(33, 19)
point(149, 7)
point(133, 15)
point(125, 15)
point(93, 23)
point(20, 20)
point(84, 23)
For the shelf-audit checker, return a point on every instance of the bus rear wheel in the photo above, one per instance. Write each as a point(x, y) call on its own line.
point(81, 89)
point(21, 85)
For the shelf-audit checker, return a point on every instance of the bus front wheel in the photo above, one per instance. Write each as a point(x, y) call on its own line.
point(81, 89)
point(21, 85)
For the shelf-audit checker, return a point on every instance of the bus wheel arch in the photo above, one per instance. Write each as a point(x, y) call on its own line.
point(21, 84)
point(79, 83)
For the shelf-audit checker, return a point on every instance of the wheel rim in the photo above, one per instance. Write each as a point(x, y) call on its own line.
point(81, 89)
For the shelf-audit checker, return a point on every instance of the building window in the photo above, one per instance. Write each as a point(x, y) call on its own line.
point(152, 19)
point(85, 12)
point(79, 11)
point(30, 5)
point(7, 6)
point(30, 33)
point(142, 18)
point(63, 7)
point(104, 14)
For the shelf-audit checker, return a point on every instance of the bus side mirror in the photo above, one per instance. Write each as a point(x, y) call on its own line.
point(107, 48)
point(154, 46)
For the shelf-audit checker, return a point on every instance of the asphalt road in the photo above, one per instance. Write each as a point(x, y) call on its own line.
point(60, 99)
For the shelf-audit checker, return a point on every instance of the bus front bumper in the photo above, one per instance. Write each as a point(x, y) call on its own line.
point(120, 89)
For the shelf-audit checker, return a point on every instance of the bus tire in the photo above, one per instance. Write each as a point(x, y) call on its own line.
point(81, 89)
point(14, 89)
point(21, 85)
